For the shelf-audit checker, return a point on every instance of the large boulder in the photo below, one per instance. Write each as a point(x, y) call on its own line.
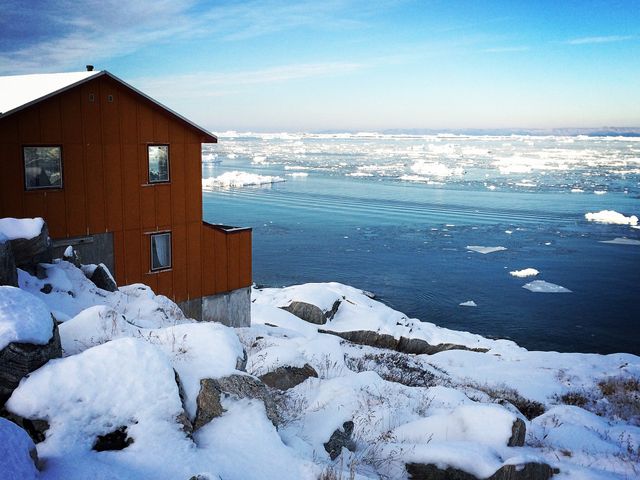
point(28, 252)
point(101, 277)
point(18, 456)
point(340, 438)
point(209, 400)
point(527, 471)
point(518, 433)
point(8, 272)
point(19, 359)
point(311, 313)
point(403, 344)
point(284, 378)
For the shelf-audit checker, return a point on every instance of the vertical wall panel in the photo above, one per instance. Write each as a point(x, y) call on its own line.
point(220, 254)
point(34, 205)
point(130, 186)
point(74, 187)
point(11, 180)
point(193, 183)
point(50, 121)
point(145, 123)
point(208, 264)
point(71, 114)
point(163, 205)
point(178, 200)
point(160, 127)
point(128, 118)
point(179, 253)
point(245, 259)
point(164, 283)
point(233, 262)
point(113, 186)
point(194, 272)
point(94, 183)
point(55, 216)
point(132, 257)
point(29, 125)
point(109, 113)
point(9, 130)
point(176, 132)
point(148, 278)
point(91, 113)
point(148, 207)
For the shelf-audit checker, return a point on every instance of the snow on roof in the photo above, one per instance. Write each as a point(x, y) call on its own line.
point(19, 90)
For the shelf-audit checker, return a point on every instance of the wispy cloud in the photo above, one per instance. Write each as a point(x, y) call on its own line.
point(67, 33)
point(602, 39)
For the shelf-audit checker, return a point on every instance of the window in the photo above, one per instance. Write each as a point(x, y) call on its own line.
point(42, 167)
point(158, 163)
point(160, 251)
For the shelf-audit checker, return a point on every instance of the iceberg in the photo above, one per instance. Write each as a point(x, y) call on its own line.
point(622, 241)
point(540, 286)
point(484, 250)
point(527, 272)
point(612, 217)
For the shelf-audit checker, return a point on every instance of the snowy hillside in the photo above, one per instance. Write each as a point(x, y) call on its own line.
point(135, 394)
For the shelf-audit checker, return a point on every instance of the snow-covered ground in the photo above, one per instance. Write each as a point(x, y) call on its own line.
point(454, 408)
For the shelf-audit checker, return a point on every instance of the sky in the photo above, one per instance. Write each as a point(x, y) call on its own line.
point(352, 65)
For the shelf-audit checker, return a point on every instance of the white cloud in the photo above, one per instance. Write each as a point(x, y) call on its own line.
point(602, 39)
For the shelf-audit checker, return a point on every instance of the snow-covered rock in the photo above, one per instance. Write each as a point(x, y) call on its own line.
point(18, 456)
point(612, 217)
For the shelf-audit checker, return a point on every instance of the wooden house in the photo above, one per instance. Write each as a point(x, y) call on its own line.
point(118, 176)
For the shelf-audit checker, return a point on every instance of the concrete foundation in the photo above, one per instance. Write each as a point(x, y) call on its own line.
point(231, 308)
point(96, 249)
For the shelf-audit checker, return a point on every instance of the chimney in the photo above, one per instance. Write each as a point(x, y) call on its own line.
point(89, 68)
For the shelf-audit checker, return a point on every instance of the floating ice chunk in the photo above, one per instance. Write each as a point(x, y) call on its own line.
point(527, 272)
point(298, 174)
point(611, 216)
point(599, 192)
point(14, 228)
point(435, 168)
point(469, 303)
point(239, 179)
point(484, 250)
point(491, 187)
point(540, 286)
point(508, 232)
point(622, 241)
point(577, 190)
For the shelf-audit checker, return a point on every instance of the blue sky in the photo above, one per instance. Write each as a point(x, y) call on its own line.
point(348, 64)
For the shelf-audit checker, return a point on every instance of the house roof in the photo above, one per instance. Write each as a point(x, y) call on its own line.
point(18, 92)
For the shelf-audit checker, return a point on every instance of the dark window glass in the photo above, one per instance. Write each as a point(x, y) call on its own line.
point(160, 251)
point(42, 167)
point(158, 163)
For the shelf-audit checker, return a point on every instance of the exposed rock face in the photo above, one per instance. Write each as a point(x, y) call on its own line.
point(518, 433)
point(29, 252)
point(71, 255)
point(528, 471)
point(284, 378)
point(116, 440)
point(403, 345)
point(340, 439)
point(241, 362)
point(103, 279)
point(19, 359)
point(183, 418)
point(311, 313)
point(209, 405)
point(8, 272)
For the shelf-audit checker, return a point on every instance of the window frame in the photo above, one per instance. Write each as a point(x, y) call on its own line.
point(27, 188)
point(151, 237)
point(168, 180)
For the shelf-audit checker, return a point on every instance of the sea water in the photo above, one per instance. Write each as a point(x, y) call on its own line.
point(395, 214)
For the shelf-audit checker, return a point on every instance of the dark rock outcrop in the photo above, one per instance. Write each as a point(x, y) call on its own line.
point(528, 471)
point(284, 378)
point(103, 279)
point(183, 418)
point(340, 439)
point(71, 255)
point(209, 405)
point(402, 345)
point(518, 433)
point(19, 359)
point(116, 440)
point(28, 252)
point(311, 313)
point(8, 272)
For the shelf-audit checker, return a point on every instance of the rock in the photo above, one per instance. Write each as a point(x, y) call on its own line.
point(8, 272)
point(103, 279)
point(241, 362)
point(209, 405)
point(183, 418)
point(340, 439)
point(284, 378)
point(71, 255)
point(47, 288)
point(29, 252)
point(35, 428)
point(518, 433)
point(18, 455)
point(311, 313)
point(116, 440)
point(19, 359)
point(403, 345)
point(527, 471)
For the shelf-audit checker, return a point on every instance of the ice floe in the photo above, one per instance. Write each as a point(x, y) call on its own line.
point(484, 250)
point(612, 217)
point(469, 303)
point(527, 272)
point(540, 286)
point(239, 179)
point(622, 241)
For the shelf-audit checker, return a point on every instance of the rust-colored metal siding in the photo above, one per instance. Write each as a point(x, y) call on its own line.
point(104, 129)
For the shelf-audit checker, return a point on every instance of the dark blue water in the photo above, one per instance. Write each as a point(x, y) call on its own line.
point(406, 241)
